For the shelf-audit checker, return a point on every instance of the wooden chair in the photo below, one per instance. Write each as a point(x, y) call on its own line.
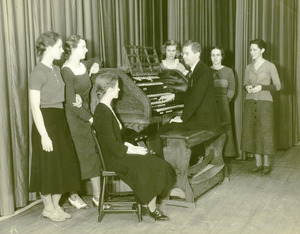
point(118, 201)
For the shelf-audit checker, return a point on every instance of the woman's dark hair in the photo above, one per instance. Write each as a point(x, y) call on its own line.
point(101, 84)
point(259, 42)
point(71, 43)
point(221, 49)
point(171, 43)
point(46, 39)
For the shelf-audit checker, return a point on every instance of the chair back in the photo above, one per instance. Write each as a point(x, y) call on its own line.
point(94, 133)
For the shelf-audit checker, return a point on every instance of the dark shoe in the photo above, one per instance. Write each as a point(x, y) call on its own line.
point(145, 213)
point(157, 215)
point(266, 170)
point(255, 169)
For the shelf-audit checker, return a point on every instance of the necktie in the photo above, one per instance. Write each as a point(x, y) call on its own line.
point(190, 80)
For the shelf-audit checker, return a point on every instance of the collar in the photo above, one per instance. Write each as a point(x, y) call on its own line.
point(193, 67)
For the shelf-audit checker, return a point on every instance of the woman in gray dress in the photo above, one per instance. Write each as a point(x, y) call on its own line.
point(224, 89)
point(261, 77)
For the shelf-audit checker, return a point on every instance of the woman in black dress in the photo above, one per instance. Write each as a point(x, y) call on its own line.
point(76, 73)
point(55, 168)
point(148, 176)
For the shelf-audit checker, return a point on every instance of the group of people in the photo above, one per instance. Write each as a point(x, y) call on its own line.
point(261, 77)
point(63, 149)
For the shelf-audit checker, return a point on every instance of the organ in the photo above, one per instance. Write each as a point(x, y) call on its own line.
point(142, 83)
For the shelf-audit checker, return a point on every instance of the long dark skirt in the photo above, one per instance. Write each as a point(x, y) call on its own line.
point(58, 171)
point(147, 175)
point(258, 127)
point(223, 106)
point(85, 146)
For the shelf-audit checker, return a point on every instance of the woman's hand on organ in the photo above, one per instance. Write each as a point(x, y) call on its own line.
point(132, 149)
point(78, 101)
point(47, 144)
point(256, 89)
point(94, 69)
point(167, 97)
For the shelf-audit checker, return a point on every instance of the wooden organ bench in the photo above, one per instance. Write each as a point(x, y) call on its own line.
point(196, 179)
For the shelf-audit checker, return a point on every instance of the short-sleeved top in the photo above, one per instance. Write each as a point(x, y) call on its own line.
point(264, 75)
point(50, 84)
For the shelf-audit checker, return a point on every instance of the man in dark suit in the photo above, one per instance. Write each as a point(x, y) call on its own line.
point(200, 107)
point(200, 110)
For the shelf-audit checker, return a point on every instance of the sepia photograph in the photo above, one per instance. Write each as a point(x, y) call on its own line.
point(150, 116)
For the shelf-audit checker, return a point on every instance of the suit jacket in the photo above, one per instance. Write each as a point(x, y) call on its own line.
point(200, 108)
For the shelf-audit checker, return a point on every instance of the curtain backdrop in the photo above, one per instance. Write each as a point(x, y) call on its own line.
point(277, 23)
point(210, 22)
point(14, 140)
point(105, 24)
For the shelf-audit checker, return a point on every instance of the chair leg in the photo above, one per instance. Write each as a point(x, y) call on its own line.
point(102, 194)
point(139, 212)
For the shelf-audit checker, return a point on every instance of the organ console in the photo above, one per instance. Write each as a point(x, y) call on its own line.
point(142, 83)
point(138, 107)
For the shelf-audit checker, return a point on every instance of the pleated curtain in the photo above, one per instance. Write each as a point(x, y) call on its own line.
point(105, 24)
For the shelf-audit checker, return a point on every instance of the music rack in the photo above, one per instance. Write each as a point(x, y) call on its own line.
point(141, 60)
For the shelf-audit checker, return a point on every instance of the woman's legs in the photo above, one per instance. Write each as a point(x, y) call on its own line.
point(258, 160)
point(55, 200)
point(266, 160)
point(264, 166)
point(267, 165)
point(152, 204)
point(258, 164)
point(96, 187)
point(47, 201)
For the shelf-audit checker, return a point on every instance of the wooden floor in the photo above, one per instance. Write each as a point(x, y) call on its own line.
point(245, 204)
